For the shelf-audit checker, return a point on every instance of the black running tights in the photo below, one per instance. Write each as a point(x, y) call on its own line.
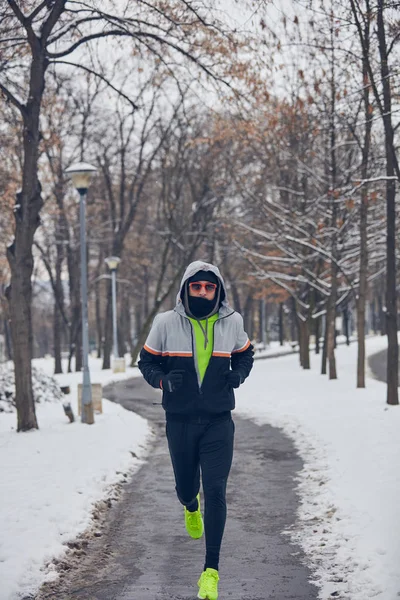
point(204, 447)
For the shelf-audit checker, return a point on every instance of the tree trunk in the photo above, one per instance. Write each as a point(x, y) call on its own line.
point(346, 322)
point(125, 324)
point(363, 287)
point(330, 326)
point(304, 340)
point(391, 292)
point(57, 336)
point(303, 334)
point(325, 346)
point(383, 97)
point(391, 297)
point(363, 273)
point(332, 194)
point(263, 323)
point(361, 340)
point(300, 338)
point(373, 325)
point(20, 296)
point(281, 324)
point(293, 318)
point(317, 334)
point(19, 253)
point(331, 312)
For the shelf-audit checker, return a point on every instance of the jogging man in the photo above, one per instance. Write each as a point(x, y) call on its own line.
point(197, 353)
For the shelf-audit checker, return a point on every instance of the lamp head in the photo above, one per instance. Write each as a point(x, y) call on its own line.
point(81, 174)
point(112, 262)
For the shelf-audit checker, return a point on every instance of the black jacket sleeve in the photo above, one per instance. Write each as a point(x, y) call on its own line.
point(243, 362)
point(151, 367)
point(151, 360)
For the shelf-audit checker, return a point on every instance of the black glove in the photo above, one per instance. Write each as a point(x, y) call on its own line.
point(233, 378)
point(172, 381)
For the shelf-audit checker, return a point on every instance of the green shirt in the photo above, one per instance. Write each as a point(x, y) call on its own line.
point(203, 354)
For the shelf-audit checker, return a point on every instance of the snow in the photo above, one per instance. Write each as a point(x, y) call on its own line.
point(52, 478)
point(348, 489)
point(45, 387)
point(274, 349)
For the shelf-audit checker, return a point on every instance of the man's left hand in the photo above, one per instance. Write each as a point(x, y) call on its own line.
point(233, 378)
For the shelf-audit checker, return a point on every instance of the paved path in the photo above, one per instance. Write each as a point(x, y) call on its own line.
point(145, 554)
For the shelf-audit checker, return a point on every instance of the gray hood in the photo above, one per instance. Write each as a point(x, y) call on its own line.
point(192, 269)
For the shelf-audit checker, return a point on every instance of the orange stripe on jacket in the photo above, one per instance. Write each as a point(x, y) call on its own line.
point(247, 344)
point(152, 351)
point(148, 349)
point(223, 354)
point(188, 354)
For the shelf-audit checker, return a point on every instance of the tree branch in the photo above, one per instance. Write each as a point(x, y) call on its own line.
point(88, 38)
point(394, 40)
point(66, 29)
point(18, 12)
point(37, 10)
point(13, 99)
point(96, 74)
point(58, 9)
point(138, 35)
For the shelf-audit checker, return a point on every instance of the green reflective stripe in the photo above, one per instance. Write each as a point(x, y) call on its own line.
point(203, 355)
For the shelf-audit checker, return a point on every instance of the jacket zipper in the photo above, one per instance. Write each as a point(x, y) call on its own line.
point(219, 319)
point(195, 356)
point(199, 383)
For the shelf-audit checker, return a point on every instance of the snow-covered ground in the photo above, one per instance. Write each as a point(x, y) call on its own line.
point(52, 478)
point(350, 486)
point(349, 440)
point(275, 349)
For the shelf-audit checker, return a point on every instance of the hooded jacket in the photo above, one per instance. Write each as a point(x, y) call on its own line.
point(171, 345)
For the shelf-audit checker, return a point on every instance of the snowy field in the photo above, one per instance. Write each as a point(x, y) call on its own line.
point(52, 478)
point(350, 486)
point(349, 440)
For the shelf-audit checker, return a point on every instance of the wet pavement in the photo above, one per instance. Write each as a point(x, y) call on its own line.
point(144, 552)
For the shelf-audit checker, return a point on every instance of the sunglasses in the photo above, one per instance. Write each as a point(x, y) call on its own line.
point(197, 286)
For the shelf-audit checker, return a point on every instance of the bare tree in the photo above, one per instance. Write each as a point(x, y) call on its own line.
point(381, 85)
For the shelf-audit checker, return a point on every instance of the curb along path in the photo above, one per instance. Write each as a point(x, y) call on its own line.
point(144, 552)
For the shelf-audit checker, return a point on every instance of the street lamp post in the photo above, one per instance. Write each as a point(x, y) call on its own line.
point(112, 263)
point(81, 174)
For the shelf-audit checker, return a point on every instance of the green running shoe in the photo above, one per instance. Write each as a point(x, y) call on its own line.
point(194, 522)
point(208, 584)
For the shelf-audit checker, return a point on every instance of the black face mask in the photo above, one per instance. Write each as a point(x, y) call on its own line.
point(200, 307)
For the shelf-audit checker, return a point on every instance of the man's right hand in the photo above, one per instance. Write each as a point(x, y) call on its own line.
point(172, 381)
